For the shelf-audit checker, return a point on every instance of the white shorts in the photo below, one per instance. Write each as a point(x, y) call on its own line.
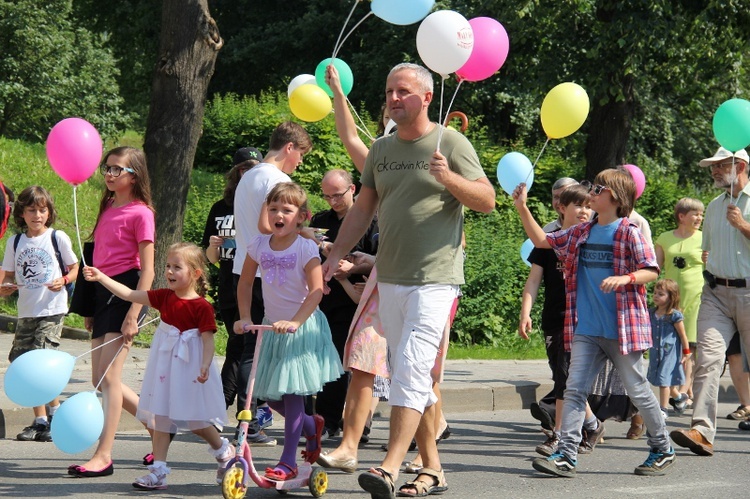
point(414, 319)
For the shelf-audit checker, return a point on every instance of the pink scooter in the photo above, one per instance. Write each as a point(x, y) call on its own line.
point(240, 469)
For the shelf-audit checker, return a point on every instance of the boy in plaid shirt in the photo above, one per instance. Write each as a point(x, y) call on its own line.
point(607, 262)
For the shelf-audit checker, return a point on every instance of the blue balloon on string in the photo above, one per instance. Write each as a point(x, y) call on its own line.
point(38, 376)
point(78, 423)
point(526, 248)
point(402, 12)
point(515, 168)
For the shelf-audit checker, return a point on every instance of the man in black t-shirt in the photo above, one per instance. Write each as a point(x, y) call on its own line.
point(338, 190)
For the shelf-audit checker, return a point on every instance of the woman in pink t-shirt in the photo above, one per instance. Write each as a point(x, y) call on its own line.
point(124, 250)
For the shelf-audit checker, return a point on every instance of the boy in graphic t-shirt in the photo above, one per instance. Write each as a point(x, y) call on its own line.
point(607, 262)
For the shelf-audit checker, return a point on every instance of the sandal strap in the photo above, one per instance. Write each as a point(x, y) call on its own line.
point(387, 476)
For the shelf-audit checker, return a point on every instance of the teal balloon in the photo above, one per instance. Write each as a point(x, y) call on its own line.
point(515, 168)
point(78, 423)
point(526, 248)
point(345, 75)
point(402, 12)
point(38, 376)
point(732, 124)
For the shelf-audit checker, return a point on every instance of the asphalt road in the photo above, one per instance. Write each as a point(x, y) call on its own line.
point(488, 455)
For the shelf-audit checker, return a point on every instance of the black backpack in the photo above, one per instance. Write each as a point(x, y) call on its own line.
point(63, 268)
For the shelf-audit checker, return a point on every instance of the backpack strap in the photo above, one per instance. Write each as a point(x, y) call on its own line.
point(63, 267)
point(15, 242)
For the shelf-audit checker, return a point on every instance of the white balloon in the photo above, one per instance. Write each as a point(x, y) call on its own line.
point(445, 40)
point(299, 80)
point(389, 127)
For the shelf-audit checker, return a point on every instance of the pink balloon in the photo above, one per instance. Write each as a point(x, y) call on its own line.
point(74, 149)
point(491, 46)
point(638, 177)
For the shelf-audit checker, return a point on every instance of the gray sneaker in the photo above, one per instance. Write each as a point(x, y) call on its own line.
point(260, 439)
point(549, 447)
point(590, 439)
point(657, 464)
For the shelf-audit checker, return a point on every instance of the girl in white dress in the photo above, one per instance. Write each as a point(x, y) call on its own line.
point(182, 386)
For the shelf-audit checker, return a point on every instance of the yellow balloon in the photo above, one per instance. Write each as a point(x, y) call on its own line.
point(309, 102)
point(564, 110)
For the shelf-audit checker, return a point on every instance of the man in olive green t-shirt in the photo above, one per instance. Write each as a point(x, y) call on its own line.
point(418, 190)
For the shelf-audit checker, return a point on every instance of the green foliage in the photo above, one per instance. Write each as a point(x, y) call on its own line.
point(50, 69)
point(232, 122)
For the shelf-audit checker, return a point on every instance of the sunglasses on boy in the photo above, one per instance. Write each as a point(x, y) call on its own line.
point(115, 171)
point(594, 189)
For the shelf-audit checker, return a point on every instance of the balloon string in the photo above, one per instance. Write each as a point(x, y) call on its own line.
point(140, 326)
point(363, 129)
point(96, 388)
point(336, 46)
point(78, 229)
point(442, 117)
point(336, 51)
point(540, 154)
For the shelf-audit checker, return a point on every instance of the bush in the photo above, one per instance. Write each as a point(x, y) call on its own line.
point(232, 122)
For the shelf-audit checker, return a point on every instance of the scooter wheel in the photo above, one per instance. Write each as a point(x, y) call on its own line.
point(233, 483)
point(318, 482)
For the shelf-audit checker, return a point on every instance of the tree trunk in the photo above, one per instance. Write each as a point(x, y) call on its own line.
point(189, 44)
point(609, 132)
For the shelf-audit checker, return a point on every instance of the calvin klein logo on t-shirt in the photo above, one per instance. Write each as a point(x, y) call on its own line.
point(386, 165)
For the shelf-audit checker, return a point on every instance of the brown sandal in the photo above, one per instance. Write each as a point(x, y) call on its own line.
point(423, 488)
point(378, 482)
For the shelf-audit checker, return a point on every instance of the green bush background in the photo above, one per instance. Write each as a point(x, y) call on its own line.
point(495, 274)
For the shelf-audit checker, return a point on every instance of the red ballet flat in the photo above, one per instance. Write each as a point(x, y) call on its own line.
point(278, 475)
point(312, 456)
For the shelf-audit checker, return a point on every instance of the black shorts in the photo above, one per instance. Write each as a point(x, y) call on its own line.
point(110, 311)
point(559, 361)
point(734, 347)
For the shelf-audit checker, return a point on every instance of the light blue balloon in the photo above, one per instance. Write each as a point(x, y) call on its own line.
point(515, 168)
point(402, 12)
point(38, 376)
point(526, 248)
point(78, 423)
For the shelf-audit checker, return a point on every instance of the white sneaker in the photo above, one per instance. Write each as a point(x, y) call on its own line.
point(223, 455)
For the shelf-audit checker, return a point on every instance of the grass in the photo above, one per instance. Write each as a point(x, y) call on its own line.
point(488, 352)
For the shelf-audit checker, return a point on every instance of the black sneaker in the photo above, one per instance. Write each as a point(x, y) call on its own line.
point(556, 464)
point(657, 464)
point(34, 432)
point(590, 439)
point(744, 425)
point(365, 438)
point(679, 404)
point(537, 412)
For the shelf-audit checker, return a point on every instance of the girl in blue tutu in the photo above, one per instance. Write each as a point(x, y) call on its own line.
point(299, 357)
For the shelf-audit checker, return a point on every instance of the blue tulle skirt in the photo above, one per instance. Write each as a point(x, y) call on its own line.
point(297, 363)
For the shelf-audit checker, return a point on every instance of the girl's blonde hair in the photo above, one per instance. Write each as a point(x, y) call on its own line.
point(135, 159)
point(196, 260)
point(33, 196)
point(673, 292)
point(289, 192)
point(685, 206)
